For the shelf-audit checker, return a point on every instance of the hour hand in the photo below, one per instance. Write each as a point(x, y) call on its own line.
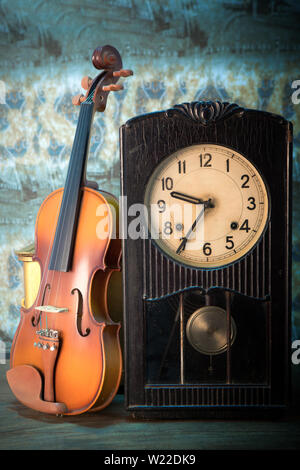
point(192, 199)
point(186, 198)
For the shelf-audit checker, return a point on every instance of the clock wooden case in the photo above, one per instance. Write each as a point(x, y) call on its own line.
point(207, 319)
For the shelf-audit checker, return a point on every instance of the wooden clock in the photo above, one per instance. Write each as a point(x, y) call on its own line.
point(207, 271)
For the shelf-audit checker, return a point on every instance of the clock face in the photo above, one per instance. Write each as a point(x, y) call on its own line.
point(207, 205)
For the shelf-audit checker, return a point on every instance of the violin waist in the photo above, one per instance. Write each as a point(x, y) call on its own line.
point(74, 305)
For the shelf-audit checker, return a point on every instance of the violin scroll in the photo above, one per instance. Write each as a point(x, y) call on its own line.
point(108, 59)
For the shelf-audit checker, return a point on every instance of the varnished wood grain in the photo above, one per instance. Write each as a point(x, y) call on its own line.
point(81, 370)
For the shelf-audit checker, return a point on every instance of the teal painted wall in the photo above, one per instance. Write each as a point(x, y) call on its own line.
point(244, 51)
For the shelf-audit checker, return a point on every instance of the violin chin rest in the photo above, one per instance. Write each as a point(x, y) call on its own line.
point(26, 384)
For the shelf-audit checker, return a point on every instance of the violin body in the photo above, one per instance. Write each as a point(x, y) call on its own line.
point(66, 355)
point(87, 332)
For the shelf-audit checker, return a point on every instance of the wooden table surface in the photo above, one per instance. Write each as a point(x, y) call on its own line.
point(115, 429)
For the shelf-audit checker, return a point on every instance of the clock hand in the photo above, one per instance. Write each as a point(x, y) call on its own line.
point(185, 239)
point(186, 197)
point(191, 199)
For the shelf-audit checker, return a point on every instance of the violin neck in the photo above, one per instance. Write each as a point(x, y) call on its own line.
point(62, 248)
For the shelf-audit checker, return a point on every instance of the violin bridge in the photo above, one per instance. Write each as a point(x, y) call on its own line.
point(51, 309)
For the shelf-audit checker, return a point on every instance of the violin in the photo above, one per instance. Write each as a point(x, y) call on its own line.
point(66, 357)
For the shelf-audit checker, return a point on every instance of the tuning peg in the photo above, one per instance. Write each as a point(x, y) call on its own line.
point(123, 73)
point(112, 87)
point(77, 100)
point(86, 82)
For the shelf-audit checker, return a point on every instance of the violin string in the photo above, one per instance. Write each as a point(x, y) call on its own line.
point(84, 129)
point(58, 209)
point(73, 165)
point(72, 168)
point(87, 110)
point(49, 277)
point(44, 278)
point(70, 176)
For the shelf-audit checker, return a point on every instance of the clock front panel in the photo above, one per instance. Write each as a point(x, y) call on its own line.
point(207, 291)
point(207, 205)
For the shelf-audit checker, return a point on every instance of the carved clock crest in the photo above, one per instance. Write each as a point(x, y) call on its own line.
point(207, 112)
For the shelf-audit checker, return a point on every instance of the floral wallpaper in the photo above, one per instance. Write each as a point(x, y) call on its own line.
point(240, 51)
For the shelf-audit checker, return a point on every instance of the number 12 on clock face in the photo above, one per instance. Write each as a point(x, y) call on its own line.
point(209, 205)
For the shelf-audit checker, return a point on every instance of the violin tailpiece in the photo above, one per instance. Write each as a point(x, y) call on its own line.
point(49, 343)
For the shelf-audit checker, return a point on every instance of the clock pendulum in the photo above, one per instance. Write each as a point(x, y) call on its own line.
point(207, 280)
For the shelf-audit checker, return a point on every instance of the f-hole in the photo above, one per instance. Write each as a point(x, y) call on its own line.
point(35, 319)
point(80, 313)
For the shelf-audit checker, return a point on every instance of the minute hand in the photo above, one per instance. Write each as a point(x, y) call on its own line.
point(187, 236)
